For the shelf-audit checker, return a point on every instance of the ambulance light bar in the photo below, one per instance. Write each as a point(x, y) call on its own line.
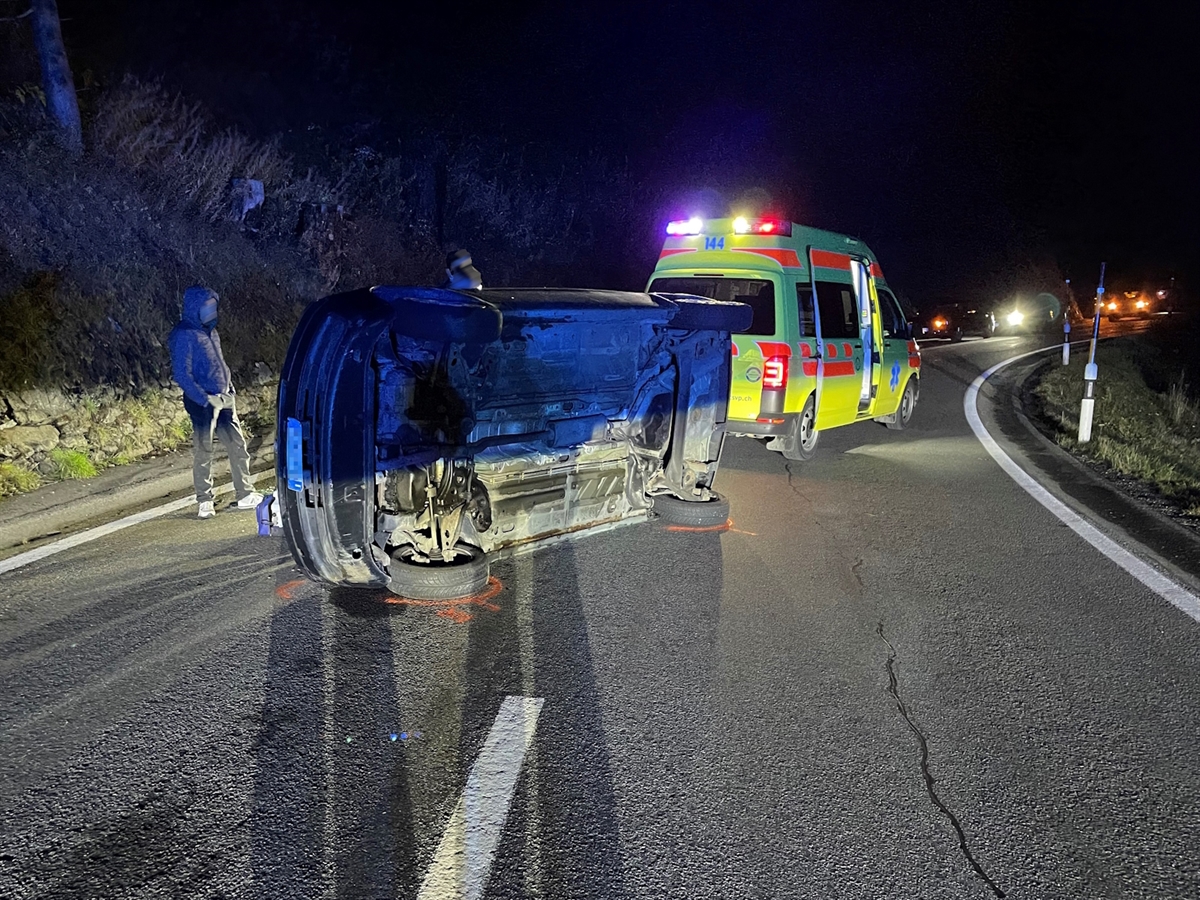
point(694, 225)
point(742, 225)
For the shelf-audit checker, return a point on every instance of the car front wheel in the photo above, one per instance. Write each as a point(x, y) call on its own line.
point(466, 575)
point(908, 402)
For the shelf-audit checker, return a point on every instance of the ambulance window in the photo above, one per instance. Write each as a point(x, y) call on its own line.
point(889, 312)
point(804, 300)
point(758, 294)
point(839, 314)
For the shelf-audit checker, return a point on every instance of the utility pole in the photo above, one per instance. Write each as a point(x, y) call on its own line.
point(1088, 406)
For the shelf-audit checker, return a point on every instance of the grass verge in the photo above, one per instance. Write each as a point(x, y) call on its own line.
point(1147, 421)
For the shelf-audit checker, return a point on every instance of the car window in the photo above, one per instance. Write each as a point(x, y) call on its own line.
point(894, 324)
point(839, 314)
point(757, 293)
point(804, 302)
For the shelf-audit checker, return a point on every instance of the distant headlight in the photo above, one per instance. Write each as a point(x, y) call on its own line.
point(1141, 304)
point(1112, 304)
point(939, 323)
point(1016, 317)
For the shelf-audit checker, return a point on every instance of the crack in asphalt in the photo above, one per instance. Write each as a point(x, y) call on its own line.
point(922, 742)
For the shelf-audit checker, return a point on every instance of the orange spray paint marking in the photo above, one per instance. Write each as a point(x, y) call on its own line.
point(695, 529)
point(455, 610)
point(288, 591)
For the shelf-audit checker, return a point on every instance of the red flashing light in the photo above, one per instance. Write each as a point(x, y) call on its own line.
point(775, 373)
point(772, 226)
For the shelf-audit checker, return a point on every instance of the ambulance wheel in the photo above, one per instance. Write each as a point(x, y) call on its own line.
point(467, 575)
point(692, 513)
point(908, 401)
point(801, 443)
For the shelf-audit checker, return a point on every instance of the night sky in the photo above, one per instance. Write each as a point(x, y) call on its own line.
point(964, 142)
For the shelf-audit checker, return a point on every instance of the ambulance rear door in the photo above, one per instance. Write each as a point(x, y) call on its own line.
point(759, 370)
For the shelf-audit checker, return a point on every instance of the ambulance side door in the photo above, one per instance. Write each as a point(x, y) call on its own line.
point(895, 354)
point(840, 363)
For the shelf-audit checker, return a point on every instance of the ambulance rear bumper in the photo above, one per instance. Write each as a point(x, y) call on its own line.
point(767, 427)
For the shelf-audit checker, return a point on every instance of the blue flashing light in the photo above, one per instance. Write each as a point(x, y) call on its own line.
point(694, 225)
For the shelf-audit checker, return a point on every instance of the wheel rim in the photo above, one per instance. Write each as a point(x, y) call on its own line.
point(405, 556)
point(808, 435)
point(906, 403)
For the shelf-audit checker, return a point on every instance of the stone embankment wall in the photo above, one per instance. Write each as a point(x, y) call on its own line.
point(47, 435)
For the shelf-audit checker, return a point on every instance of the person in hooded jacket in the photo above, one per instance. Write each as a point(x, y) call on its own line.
point(199, 368)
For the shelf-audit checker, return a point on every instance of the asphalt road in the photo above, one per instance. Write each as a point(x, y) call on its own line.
point(897, 676)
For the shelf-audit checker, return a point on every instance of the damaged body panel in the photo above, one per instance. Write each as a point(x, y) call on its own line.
point(422, 429)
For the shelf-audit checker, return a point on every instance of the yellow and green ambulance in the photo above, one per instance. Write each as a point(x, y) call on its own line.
point(828, 345)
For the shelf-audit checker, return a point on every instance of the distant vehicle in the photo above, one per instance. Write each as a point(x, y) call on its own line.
point(828, 344)
point(1039, 314)
point(958, 320)
point(421, 429)
point(1120, 304)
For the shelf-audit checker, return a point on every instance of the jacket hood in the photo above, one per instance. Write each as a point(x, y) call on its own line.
point(194, 298)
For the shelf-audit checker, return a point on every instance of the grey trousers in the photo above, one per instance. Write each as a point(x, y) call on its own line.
point(228, 430)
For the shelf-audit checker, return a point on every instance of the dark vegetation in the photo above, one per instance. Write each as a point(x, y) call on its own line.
point(1147, 416)
point(95, 251)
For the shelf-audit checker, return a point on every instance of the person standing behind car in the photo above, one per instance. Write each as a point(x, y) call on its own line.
point(460, 274)
point(199, 368)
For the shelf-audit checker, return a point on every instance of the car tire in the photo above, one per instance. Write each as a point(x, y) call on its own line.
point(800, 443)
point(957, 336)
point(908, 402)
point(692, 513)
point(439, 581)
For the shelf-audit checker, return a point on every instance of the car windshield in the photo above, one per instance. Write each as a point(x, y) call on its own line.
point(757, 293)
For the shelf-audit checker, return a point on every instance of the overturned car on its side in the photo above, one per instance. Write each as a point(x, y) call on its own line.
point(422, 429)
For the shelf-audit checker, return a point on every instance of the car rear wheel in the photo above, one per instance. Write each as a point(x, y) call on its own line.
point(801, 442)
point(692, 513)
point(908, 401)
point(434, 580)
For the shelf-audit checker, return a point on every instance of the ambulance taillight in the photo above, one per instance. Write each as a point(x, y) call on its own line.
point(775, 374)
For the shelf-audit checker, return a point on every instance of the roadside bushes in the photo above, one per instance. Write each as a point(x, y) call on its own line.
point(173, 144)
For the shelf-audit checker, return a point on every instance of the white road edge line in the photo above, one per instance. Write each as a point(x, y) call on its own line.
point(1165, 587)
point(92, 534)
point(463, 860)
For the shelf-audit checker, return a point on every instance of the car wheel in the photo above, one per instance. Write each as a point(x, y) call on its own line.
point(692, 513)
point(908, 401)
point(957, 336)
point(801, 442)
point(467, 575)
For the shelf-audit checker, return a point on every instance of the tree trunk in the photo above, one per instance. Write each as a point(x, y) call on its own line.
point(56, 73)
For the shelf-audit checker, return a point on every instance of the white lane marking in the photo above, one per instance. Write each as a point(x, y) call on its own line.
point(1165, 587)
point(92, 534)
point(463, 860)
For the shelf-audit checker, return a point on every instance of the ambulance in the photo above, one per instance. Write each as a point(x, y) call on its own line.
point(828, 344)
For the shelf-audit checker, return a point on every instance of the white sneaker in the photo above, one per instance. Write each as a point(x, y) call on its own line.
point(206, 510)
point(250, 501)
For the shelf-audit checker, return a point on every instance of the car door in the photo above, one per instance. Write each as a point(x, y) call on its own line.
point(895, 353)
point(840, 359)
